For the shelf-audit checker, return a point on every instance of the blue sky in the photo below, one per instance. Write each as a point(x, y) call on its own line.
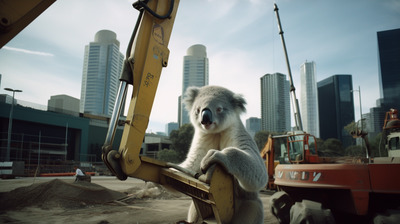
point(242, 43)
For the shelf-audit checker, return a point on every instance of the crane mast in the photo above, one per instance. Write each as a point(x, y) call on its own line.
point(295, 102)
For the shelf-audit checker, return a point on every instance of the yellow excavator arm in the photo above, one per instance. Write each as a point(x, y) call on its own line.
point(16, 15)
point(147, 54)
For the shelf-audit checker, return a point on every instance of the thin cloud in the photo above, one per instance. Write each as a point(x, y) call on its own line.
point(28, 51)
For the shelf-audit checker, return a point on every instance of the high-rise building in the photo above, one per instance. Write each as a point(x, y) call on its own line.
point(275, 103)
point(309, 98)
point(389, 79)
point(389, 67)
point(376, 119)
point(170, 127)
point(336, 108)
point(195, 73)
point(101, 71)
point(253, 125)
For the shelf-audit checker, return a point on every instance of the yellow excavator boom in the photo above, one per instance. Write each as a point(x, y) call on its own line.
point(16, 15)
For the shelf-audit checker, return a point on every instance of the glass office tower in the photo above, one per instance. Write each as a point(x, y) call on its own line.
point(389, 67)
point(275, 103)
point(336, 108)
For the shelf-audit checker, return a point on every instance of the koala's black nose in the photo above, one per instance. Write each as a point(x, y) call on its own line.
point(206, 116)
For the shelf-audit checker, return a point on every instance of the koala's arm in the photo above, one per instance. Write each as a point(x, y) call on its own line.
point(244, 164)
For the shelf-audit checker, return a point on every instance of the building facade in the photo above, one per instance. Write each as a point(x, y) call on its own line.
point(51, 139)
point(101, 71)
point(253, 125)
point(389, 80)
point(389, 67)
point(336, 108)
point(309, 98)
point(63, 104)
point(170, 127)
point(195, 73)
point(275, 103)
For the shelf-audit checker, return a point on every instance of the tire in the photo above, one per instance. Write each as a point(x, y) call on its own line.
point(281, 203)
point(308, 212)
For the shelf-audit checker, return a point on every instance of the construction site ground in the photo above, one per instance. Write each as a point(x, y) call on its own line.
point(104, 200)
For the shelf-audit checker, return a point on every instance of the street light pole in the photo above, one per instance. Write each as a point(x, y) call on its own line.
point(361, 120)
point(10, 122)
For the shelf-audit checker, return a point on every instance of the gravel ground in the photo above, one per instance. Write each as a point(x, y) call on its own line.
point(145, 204)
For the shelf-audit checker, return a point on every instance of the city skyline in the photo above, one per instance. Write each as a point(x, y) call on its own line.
point(46, 58)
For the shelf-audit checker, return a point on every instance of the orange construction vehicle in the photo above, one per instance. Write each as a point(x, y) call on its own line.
point(313, 189)
point(326, 189)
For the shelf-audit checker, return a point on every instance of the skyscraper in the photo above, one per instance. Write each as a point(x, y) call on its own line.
point(389, 79)
point(101, 70)
point(336, 108)
point(309, 98)
point(389, 67)
point(253, 125)
point(195, 73)
point(170, 127)
point(275, 103)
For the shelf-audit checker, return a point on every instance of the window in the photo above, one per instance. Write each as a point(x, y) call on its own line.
point(394, 143)
point(295, 144)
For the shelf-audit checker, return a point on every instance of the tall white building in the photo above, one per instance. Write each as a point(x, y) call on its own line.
point(309, 98)
point(195, 73)
point(275, 103)
point(101, 71)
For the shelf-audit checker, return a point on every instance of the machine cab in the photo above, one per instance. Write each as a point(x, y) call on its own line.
point(294, 147)
point(297, 147)
point(302, 148)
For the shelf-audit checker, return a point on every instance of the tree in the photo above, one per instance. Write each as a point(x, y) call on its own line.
point(181, 140)
point(331, 147)
point(377, 145)
point(168, 155)
point(351, 127)
point(261, 139)
point(355, 151)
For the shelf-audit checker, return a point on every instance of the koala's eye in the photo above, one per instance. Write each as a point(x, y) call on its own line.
point(197, 111)
point(219, 109)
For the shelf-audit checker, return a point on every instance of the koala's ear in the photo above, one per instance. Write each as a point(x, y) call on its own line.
point(239, 103)
point(190, 94)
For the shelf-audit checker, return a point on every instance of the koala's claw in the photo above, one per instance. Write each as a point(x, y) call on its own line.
point(211, 158)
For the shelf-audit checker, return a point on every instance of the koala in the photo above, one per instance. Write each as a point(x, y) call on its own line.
point(220, 138)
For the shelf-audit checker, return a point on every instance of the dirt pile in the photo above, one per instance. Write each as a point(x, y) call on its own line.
point(151, 191)
point(58, 193)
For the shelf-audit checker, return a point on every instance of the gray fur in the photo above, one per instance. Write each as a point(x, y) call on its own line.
point(226, 142)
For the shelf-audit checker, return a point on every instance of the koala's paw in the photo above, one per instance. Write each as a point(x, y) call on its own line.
point(213, 156)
